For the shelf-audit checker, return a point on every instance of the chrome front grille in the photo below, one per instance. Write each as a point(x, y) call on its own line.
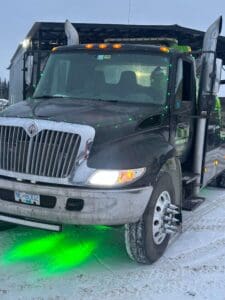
point(49, 153)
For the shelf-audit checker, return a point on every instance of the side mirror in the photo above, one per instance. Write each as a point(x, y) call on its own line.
point(210, 71)
point(29, 69)
point(218, 73)
point(208, 56)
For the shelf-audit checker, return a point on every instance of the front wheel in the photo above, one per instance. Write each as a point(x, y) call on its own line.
point(147, 239)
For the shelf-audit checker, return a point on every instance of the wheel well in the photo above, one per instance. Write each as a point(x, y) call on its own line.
point(173, 167)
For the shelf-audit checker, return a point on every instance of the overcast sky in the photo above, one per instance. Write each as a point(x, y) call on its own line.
point(17, 17)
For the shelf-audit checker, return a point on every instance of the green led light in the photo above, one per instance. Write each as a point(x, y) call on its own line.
point(33, 248)
point(102, 227)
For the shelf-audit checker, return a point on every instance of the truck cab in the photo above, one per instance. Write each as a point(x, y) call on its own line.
point(112, 136)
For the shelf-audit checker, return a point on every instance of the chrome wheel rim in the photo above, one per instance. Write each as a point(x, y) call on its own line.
point(158, 223)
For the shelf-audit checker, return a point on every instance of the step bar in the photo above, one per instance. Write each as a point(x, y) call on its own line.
point(31, 223)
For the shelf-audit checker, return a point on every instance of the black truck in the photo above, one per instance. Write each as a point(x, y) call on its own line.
point(124, 132)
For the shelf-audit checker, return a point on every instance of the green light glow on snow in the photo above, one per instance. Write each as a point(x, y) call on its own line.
point(55, 253)
point(33, 248)
point(71, 256)
point(74, 249)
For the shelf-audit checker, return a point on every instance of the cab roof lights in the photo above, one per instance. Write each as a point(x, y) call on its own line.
point(89, 46)
point(102, 46)
point(117, 46)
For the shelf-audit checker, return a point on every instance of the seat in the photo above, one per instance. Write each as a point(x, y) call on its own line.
point(158, 86)
point(98, 84)
point(127, 83)
point(76, 81)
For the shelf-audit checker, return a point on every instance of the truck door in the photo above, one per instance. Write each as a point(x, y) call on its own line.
point(185, 99)
point(215, 147)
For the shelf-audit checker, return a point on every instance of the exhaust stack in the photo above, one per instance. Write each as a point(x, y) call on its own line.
point(207, 94)
point(71, 33)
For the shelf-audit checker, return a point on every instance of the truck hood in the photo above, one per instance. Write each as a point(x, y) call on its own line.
point(120, 119)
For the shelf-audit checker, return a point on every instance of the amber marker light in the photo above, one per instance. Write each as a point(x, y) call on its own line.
point(117, 46)
point(89, 46)
point(126, 176)
point(164, 49)
point(102, 46)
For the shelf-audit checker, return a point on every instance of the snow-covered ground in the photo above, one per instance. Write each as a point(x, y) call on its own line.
point(91, 262)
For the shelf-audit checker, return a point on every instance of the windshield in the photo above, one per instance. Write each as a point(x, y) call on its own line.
point(123, 77)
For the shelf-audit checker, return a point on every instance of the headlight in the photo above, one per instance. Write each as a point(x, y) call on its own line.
point(115, 177)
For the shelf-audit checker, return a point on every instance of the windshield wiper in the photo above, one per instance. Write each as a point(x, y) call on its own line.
point(51, 97)
point(104, 100)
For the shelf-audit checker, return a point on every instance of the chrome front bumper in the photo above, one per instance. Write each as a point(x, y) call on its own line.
point(108, 207)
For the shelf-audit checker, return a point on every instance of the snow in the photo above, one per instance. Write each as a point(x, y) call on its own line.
point(91, 263)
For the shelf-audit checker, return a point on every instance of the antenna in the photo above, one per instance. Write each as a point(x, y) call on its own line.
point(129, 12)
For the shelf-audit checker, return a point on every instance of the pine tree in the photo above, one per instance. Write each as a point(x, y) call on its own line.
point(4, 89)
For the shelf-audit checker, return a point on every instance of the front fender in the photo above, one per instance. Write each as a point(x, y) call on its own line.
point(142, 150)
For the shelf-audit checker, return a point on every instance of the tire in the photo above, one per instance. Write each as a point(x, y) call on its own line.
point(218, 181)
point(221, 180)
point(140, 243)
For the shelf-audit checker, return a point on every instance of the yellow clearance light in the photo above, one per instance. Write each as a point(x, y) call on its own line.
point(164, 49)
point(102, 46)
point(117, 46)
point(89, 46)
point(216, 162)
point(54, 49)
point(126, 176)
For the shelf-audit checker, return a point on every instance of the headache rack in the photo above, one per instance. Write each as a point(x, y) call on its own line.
point(168, 42)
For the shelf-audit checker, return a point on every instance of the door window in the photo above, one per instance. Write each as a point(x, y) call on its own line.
point(184, 91)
